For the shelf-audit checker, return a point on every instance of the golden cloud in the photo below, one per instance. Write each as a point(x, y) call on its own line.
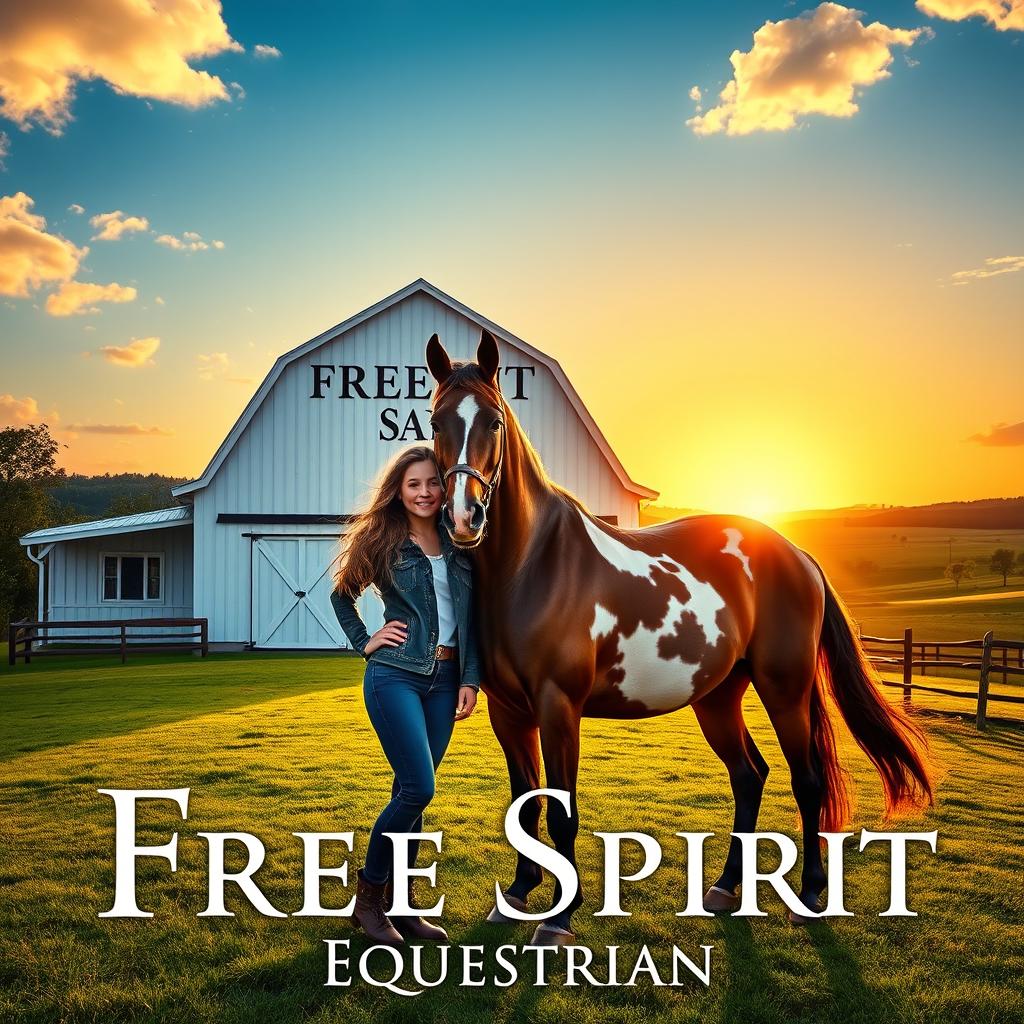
point(79, 296)
point(115, 224)
point(1002, 435)
point(140, 49)
point(139, 352)
point(29, 255)
point(212, 364)
point(134, 429)
point(1003, 14)
point(992, 267)
point(811, 64)
point(14, 411)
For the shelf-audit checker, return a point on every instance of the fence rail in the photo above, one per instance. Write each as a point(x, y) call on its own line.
point(22, 637)
point(995, 657)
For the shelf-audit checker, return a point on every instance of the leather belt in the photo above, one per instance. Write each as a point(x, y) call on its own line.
point(445, 653)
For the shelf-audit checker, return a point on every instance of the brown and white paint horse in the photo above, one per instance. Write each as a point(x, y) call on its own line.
point(578, 618)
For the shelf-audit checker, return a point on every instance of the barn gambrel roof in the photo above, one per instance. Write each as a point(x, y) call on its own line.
point(417, 286)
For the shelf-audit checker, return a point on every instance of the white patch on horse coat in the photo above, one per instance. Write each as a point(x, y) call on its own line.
point(466, 413)
point(733, 537)
point(658, 683)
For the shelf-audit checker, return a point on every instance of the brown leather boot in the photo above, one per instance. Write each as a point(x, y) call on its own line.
point(369, 913)
point(413, 927)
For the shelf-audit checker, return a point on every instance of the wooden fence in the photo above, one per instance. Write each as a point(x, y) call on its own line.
point(986, 656)
point(23, 636)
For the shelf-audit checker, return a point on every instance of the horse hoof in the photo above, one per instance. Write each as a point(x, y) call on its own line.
point(720, 901)
point(802, 920)
point(497, 917)
point(550, 935)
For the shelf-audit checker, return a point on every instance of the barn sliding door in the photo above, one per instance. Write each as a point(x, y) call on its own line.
point(291, 593)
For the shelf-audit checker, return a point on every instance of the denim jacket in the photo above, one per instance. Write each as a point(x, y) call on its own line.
point(410, 599)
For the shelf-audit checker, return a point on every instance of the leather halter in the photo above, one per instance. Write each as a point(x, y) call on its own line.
point(463, 467)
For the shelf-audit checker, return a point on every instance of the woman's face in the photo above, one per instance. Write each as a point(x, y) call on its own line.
point(421, 490)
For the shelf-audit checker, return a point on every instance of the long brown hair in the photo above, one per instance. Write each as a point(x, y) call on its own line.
point(376, 533)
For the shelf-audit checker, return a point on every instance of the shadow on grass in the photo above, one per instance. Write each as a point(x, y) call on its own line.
point(55, 702)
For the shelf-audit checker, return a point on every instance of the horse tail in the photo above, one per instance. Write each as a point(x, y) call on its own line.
point(893, 743)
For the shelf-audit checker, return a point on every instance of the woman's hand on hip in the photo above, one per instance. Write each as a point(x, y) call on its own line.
point(391, 634)
point(467, 702)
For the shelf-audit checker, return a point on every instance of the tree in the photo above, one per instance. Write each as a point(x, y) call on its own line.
point(957, 571)
point(1001, 562)
point(28, 465)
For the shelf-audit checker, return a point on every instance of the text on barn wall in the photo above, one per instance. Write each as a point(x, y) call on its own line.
point(396, 383)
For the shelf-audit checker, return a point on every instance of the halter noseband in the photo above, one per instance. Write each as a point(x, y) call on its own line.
point(462, 467)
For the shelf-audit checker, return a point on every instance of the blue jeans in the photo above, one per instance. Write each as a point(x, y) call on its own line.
point(414, 716)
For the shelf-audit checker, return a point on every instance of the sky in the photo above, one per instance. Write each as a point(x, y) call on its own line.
point(778, 248)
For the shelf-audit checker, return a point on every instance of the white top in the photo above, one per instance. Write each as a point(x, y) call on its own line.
point(446, 624)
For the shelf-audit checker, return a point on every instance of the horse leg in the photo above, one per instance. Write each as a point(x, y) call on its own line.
point(518, 738)
point(560, 743)
point(787, 699)
point(720, 716)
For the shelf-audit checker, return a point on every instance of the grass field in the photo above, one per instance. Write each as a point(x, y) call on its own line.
point(280, 744)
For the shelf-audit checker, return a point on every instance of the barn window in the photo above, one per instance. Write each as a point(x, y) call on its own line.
point(132, 577)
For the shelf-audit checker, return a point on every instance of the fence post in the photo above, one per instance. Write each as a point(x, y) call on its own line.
point(27, 641)
point(908, 663)
point(12, 643)
point(986, 665)
point(204, 635)
point(124, 644)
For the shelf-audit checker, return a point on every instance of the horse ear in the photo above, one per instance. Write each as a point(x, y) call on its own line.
point(438, 363)
point(487, 355)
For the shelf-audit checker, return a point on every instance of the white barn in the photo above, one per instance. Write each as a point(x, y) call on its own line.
point(252, 544)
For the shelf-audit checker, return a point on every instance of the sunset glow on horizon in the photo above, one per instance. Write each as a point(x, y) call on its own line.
point(775, 285)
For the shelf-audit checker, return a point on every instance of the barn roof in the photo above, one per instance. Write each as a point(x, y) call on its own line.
point(417, 286)
point(180, 515)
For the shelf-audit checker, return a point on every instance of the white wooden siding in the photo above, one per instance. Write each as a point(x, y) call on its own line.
point(320, 456)
point(76, 577)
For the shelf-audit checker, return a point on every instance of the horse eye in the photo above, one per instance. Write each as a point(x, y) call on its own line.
point(496, 425)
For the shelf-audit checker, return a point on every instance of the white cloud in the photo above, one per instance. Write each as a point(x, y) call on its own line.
point(262, 50)
point(79, 296)
point(1003, 14)
point(115, 224)
point(5, 149)
point(992, 267)
point(190, 241)
point(139, 48)
point(76, 208)
point(139, 352)
point(29, 255)
point(811, 64)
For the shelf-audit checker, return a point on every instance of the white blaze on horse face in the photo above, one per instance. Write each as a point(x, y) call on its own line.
point(658, 683)
point(466, 413)
point(733, 537)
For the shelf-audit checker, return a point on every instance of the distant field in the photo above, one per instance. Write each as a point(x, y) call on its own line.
point(893, 578)
point(278, 744)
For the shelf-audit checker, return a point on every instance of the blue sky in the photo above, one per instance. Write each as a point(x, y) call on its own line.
point(534, 161)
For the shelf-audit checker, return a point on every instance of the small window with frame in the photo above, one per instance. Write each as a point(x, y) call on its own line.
point(132, 576)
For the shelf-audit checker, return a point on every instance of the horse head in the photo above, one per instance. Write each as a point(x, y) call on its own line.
point(468, 419)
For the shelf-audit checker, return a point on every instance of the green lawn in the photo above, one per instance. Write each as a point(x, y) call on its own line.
point(280, 744)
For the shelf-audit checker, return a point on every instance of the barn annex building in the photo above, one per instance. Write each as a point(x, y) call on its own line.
point(252, 543)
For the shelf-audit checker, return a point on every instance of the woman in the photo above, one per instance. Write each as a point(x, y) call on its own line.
point(422, 672)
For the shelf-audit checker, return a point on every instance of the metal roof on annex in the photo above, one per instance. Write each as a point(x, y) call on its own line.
point(180, 515)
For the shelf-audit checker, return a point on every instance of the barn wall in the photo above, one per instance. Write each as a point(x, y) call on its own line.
point(305, 455)
point(75, 576)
